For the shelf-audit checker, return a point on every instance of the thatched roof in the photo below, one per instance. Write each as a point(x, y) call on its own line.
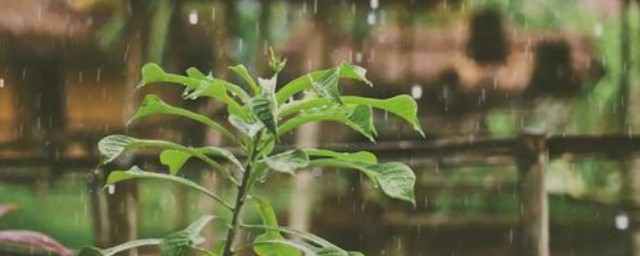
point(434, 53)
point(42, 18)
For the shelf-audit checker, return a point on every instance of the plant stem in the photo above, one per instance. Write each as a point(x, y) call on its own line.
point(241, 196)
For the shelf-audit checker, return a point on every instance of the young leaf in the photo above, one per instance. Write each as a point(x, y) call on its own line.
point(394, 178)
point(174, 159)
point(137, 173)
point(327, 85)
point(242, 71)
point(288, 162)
point(153, 105)
point(263, 108)
point(181, 243)
point(268, 85)
point(251, 130)
point(275, 63)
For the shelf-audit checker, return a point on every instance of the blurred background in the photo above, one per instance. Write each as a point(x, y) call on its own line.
point(481, 71)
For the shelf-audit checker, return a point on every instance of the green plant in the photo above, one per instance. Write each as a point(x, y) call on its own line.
point(261, 116)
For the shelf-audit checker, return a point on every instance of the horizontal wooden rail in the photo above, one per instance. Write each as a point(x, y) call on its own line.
point(610, 145)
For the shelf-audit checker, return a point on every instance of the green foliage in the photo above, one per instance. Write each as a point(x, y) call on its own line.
point(260, 118)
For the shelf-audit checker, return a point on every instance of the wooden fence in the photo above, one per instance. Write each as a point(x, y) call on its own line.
point(531, 152)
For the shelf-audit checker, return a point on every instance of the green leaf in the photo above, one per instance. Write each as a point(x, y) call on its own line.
point(94, 251)
point(218, 247)
point(215, 89)
point(221, 152)
point(269, 218)
point(174, 159)
point(354, 72)
point(326, 85)
point(323, 247)
point(395, 179)
point(137, 173)
point(91, 251)
point(195, 228)
point(264, 246)
point(113, 145)
point(151, 73)
point(176, 244)
point(361, 156)
point(288, 162)
point(181, 243)
point(111, 32)
point(251, 130)
point(195, 73)
point(263, 107)
point(403, 106)
point(293, 247)
point(303, 83)
point(153, 105)
point(267, 213)
point(242, 71)
point(359, 118)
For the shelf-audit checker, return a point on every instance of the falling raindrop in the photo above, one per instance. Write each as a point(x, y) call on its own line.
point(98, 75)
point(374, 4)
point(622, 222)
point(371, 18)
point(1, 83)
point(416, 91)
point(598, 30)
point(111, 189)
point(193, 17)
point(358, 57)
point(315, 6)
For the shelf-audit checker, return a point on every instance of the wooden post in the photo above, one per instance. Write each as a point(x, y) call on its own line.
point(98, 205)
point(531, 159)
point(300, 206)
